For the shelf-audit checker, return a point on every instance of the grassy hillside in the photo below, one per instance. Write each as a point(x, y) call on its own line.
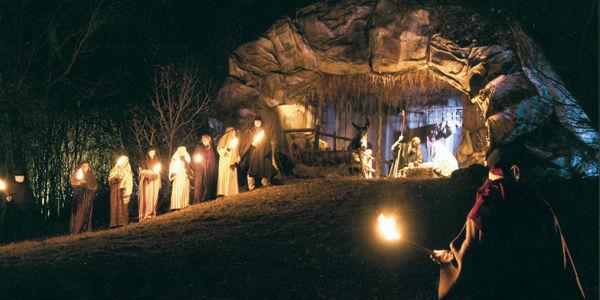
point(307, 239)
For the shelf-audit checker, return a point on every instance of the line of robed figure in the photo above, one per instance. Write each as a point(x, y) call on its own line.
point(213, 172)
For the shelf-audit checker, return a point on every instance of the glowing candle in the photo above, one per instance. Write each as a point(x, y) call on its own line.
point(258, 137)
point(79, 174)
point(122, 160)
point(198, 158)
point(2, 185)
point(156, 168)
point(234, 142)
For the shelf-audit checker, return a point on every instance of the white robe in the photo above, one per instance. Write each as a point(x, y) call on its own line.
point(180, 195)
point(227, 180)
point(148, 194)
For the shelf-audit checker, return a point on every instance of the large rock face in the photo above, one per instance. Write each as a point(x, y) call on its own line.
point(508, 78)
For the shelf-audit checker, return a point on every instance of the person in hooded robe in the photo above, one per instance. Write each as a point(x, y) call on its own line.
point(15, 209)
point(84, 185)
point(179, 174)
point(228, 159)
point(150, 183)
point(205, 170)
point(120, 180)
point(511, 245)
point(258, 156)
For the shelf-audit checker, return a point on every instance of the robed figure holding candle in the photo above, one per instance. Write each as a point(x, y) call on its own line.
point(205, 170)
point(120, 180)
point(150, 182)
point(15, 209)
point(84, 184)
point(258, 157)
point(229, 157)
point(179, 173)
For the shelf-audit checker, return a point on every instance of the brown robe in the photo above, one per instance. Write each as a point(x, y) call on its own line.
point(82, 206)
point(121, 185)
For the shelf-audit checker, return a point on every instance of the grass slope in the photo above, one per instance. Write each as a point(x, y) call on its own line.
point(307, 239)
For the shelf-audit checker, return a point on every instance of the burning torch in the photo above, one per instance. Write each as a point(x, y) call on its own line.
point(389, 231)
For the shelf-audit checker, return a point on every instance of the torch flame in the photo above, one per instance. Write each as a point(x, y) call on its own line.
point(156, 168)
point(198, 158)
point(234, 142)
point(2, 185)
point(259, 136)
point(79, 175)
point(387, 227)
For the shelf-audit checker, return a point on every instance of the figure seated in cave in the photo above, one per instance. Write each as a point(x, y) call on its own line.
point(407, 155)
point(367, 164)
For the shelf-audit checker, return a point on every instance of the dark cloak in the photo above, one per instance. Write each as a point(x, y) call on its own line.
point(258, 159)
point(15, 215)
point(509, 248)
point(205, 174)
point(82, 206)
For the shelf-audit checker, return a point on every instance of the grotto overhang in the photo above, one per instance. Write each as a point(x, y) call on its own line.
point(499, 67)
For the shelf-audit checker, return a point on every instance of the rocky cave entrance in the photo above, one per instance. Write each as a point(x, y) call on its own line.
point(368, 51)
point(414, 104)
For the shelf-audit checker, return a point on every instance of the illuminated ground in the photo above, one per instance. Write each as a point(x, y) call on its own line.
point(307, 239)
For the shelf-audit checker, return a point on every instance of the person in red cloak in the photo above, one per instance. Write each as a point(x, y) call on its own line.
point(508, 248)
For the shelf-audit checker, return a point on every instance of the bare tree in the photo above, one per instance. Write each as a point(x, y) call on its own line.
point(179, 101)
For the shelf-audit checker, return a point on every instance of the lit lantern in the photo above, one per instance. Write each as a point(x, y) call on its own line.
point(198, 158)
point(156, 168)
point(258, 137)
point(79, 174)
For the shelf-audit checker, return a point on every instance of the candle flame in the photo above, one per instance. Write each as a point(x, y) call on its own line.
point(387, 227)
point(2, 185)
point(122, 160)
point(234, 142)
point(79, 175)
point(259, 136)
point(198, 158)
point(156, 168)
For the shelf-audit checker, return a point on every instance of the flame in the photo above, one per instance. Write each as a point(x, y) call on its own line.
point(387, 227)
point(156, 168)
point(2, 185)
point(198, 158)
point(259, 136)
point(234, 142)
point(122, 160)
point(79, 174)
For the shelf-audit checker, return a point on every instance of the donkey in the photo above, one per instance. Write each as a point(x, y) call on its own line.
point(359, 142)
